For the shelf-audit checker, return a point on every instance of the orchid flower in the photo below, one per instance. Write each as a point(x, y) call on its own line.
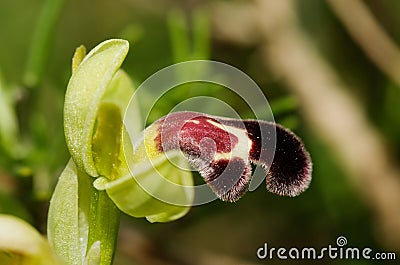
point(109, 172)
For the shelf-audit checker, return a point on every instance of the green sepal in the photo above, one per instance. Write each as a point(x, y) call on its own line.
point(67, 226)
point(85, 91)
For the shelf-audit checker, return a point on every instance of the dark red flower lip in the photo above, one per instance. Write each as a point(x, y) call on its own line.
point(223, 149)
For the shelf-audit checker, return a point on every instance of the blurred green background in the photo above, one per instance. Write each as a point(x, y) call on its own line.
point(34, 72)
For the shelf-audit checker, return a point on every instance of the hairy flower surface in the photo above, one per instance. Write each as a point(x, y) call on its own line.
point(223, 149)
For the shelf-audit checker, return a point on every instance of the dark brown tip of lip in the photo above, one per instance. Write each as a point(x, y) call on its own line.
point(289, 167)
point(290, 172)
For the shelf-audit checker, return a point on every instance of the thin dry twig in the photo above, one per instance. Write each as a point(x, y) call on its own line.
point(369, 34)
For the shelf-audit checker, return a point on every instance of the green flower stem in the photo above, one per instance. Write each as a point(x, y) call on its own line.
point(103, 224)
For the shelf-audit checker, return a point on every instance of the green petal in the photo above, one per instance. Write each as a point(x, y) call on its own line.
point(79, 55)
point(106, 143)
point(85, 91)
point(108, 152)
point(159, 190)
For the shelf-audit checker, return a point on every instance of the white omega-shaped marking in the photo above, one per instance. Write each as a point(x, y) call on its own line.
point(241, 149)
point(193, 121)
